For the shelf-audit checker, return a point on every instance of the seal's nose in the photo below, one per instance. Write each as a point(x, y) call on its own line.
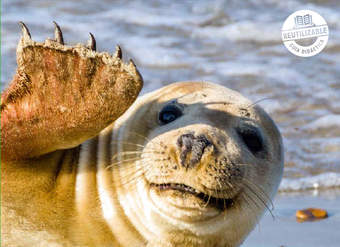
point(191, 149)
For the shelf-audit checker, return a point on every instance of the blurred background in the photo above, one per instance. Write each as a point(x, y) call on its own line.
point(233, 43)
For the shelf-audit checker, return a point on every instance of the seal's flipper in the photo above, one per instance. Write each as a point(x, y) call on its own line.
point(62, 95)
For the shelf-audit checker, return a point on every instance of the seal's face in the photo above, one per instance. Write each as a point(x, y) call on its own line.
point(210, 163)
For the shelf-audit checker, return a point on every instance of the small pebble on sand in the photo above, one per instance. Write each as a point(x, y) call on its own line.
point(311, 214)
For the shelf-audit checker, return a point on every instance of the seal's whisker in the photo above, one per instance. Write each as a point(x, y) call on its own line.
point(263, 201)
point(129, 182)
point(135, 158)
point(130, 164)
point(217, 103)
point(126, 153)
point(156, 145)
point(136, 171)
point(132, 175)
point(261, 191)
point(184, 95)
point(140, 135)
point(258, 203)
point(229, 184)
point(207, 203)
point(223, 188)
point(219, 187)
point(119, 142)
point(254, 192)
point(128, 143)
point(258, 101)
point(129, 152)
point(257, 188)
point(249, 204)
point(126, 161)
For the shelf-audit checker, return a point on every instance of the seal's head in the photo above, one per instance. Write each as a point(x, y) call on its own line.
point(208, 165)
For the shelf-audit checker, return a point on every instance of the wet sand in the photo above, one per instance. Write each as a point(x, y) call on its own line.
point(285, 231)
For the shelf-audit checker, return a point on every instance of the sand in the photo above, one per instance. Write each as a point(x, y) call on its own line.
point(285, 231)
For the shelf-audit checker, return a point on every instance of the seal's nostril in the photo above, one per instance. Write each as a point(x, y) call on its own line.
point(188, 143)
point(185, 140)
point(203, 139)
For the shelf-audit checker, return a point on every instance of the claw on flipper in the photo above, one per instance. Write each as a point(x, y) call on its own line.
point(118, 53)
point(58, 34)
point(75, 89)
point(25, 32)
point(132, 65)
point(91, 44)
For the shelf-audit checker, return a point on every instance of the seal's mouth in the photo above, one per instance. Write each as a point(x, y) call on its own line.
point(218, 203)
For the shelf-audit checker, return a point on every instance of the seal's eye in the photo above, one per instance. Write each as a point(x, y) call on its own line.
point(169, 113)
point(252, 139)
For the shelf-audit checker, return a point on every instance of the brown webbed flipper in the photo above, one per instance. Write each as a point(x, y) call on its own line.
point(62, 95)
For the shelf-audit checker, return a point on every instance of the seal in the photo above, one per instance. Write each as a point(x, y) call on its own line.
point(190, 164)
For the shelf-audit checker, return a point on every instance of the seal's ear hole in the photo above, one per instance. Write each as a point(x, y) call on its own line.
point(169, 113)
point(252, 139)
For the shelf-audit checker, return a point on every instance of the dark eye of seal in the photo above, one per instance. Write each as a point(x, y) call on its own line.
point(252, 139)
point(169, 113)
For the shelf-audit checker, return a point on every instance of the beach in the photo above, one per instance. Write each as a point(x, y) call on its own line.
point(285, 231)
